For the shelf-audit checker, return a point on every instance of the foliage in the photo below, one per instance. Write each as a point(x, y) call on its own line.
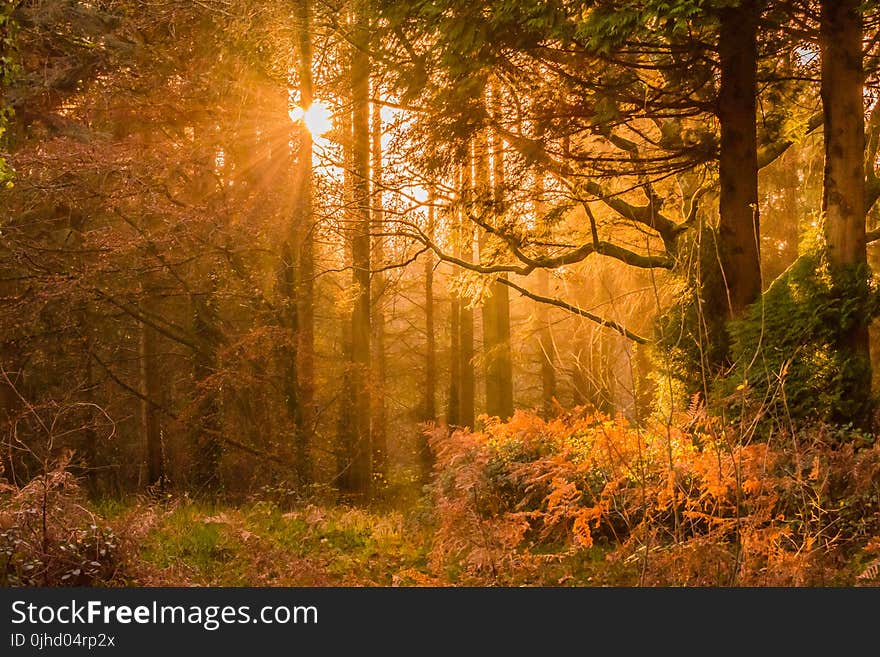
point(690, 342)
point(785, 350)
point(48, 536)
point(784, 364)
point(653, 505)
point(8, 69)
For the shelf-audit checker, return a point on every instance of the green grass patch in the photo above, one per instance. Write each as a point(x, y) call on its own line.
point(261, 545)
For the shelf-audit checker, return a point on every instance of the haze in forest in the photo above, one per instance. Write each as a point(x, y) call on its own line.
point(312, 292)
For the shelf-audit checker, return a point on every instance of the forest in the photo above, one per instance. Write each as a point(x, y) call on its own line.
point(439, 293)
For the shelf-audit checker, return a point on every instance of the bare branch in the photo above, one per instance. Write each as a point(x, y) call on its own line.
point(559, 303)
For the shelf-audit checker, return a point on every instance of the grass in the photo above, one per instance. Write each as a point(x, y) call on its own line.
point(183, 543)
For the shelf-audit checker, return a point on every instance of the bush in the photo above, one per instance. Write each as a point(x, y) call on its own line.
point(656, 504)
point(48, 537)
point(787, 347)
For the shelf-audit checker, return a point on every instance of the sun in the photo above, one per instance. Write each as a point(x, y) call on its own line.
point(317, 118)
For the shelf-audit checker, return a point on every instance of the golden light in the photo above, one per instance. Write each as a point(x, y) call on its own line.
point(317, 118)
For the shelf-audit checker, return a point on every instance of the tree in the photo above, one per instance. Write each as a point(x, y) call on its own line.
point(358, 446)
point(496, 308)
point(304, 234)
point(843, 198)
point(738, 242)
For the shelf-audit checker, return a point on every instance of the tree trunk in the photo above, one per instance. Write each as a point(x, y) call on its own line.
point(453, 411)
point(303, 227)
point(542, 315)
point(207, 432)
point(497, 358)
point(358, 478)
point(843, 197)
point(732, 264)
point(466, 389)
point(288, 354)
point(429, 402)
point(378, 283)
point(150, 391)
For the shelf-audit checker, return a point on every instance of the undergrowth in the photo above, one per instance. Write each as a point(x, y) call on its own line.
point(50, 537)
point(580, 500)
point(587, 499)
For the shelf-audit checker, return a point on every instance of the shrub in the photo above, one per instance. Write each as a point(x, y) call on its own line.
point(48, 537)
point(660, 504)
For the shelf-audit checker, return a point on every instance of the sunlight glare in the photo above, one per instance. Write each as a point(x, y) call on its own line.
point(317, 118)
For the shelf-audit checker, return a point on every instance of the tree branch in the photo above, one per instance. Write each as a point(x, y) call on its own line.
point(559, 303)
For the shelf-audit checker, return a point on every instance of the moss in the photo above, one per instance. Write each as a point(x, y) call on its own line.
point(790, 352)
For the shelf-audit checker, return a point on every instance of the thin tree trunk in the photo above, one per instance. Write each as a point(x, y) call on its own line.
point(453, 409)
point(499, 365)
point(149, 389)
point(92, 453)
point(542, 315)
point(288, 354)
point(429, 402)
point(378, 283)
point(466, 390)
point(429, 412)
point(303, 227)
point(359, 473)
point(9, 404)
point(207, 431)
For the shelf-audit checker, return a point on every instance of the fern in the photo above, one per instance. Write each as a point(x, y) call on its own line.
point(871, 572)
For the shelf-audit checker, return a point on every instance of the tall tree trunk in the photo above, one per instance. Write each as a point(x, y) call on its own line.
point(453, 410)
point(733, 277)
point(150, 391)
point(358, 474)
point(843, 197)
point(77, 224)
point(466, 388)
point(429, 402)
point(207, 431)
point(542, 315)
point(91, 450)
point(9, 406)
point(503, 359)
point(378, 283)
point(288, 354)
point(303, 227)
point(497, 358)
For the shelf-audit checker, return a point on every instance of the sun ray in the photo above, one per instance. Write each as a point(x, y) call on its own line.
point(317, 118)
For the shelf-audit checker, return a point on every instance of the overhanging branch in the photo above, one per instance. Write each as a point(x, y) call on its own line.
point(559, 303)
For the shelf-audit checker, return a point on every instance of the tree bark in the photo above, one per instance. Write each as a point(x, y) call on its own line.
point(207, 432)
point(357, 478)
point(843, 196)
point(149, 389)
point(303, 227)
point(466, 388)
point(542, 315)
point(497, 359)
point(453, 411)
point(429, 402)
point(378, 284)
point(731, 263)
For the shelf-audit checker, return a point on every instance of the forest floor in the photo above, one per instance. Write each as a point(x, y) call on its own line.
point(183, 543)
point(525, 503)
